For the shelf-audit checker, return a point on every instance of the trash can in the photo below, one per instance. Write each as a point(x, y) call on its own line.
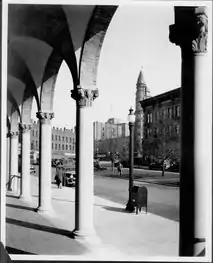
point(139, 195)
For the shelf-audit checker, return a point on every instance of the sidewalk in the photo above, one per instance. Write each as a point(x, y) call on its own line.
point(123, 236)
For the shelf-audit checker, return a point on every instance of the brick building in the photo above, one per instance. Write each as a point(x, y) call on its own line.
point(161, 126)
point(63, 141)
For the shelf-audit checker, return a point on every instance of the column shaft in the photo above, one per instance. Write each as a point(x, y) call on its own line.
point(14, 162)
point(84, 223)
point(25, 183)
point(85, 175)
point(45, 168)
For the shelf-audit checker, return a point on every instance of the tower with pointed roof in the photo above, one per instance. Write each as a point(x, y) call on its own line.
point(142, 93)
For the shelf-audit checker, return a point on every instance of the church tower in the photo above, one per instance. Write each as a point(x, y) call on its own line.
point(142, 93)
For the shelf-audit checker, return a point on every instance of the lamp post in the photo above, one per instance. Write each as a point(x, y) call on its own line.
point(131, 120)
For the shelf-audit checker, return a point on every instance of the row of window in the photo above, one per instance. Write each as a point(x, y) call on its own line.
point(57, 137)
point(167, 113)
point(171, 129)
point(57, 147)
point(63, 147)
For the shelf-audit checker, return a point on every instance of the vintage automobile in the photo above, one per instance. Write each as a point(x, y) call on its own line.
point(69, 176)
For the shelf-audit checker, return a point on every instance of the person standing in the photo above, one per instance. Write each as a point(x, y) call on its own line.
point(59, 175)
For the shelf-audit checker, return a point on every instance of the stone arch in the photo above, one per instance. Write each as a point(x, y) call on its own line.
point(93, 42)
point(49, 80)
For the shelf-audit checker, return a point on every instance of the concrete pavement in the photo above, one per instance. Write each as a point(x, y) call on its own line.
point(122, 236)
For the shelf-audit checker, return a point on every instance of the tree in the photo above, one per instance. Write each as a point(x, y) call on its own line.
point(162, 143)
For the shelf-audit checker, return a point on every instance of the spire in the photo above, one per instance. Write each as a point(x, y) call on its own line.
point(141, 79)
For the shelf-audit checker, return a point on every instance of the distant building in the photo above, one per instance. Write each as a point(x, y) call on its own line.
point(110, 136)
point(63, 141)
point(161, 125)
point(142, 93)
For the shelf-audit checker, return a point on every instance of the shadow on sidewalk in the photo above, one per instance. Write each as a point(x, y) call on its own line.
point(12, 196)
point(12, 250)
point(48, 229)
point(22, 207)
point(116, 209)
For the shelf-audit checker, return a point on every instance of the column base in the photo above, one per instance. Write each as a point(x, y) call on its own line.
point(27, 199)
point(46, 211)
point(86, 236)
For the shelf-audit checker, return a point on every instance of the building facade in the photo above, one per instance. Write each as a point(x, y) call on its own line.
point(63, 141)
point(161, 126)
point(110, 136)
point(142, 93)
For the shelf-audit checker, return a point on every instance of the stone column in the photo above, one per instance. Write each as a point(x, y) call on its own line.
point(190, 33)
point(8, 177)
point(14, 161)
point(45, 168)
point(84, 225)
point(25, 162)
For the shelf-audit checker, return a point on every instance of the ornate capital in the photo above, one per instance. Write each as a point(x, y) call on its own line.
point(45, 117)
point(13, 134)
point(25, 127)
point(191, 33)
point(84, 97)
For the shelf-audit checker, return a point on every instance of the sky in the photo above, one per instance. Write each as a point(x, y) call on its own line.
point(137, 37)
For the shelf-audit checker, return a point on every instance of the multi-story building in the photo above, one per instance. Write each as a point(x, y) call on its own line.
point(161, 126)
point(63, 141)
point(109, 136)
point(142, 93)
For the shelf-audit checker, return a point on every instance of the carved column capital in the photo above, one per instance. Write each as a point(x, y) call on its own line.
point(45, 117)
point(191, 33)
point(13, 134)
point(25, 127)
point(84, 97)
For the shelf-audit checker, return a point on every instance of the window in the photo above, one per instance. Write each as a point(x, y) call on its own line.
point(36, 133)
point(59, 138)
point(149, 131)
point(52, 145)
point(62, 147)
point(177, 111)
point(52, 137)
point(157, 115)
point(70, 148)
point(66, 139)
point(63, 138)
point(149, 117)
point(59, 146)
point(56, 146)
point(33, 132)
point(170, 129)
point(70, 139)
point(56, 137)
point(177, 128)
point(156, 131)
point(170, 112)
point(66, 147)
point(164, 114)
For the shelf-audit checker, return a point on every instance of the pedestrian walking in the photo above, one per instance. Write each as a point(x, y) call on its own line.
point(59, 175)
point(120, 167)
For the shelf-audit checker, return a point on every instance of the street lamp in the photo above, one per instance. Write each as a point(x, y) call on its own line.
point(131, 120)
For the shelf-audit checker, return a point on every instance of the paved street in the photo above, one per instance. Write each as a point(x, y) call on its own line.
point(162, 200)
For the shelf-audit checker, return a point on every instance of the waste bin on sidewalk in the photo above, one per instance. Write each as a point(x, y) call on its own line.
point(139, 197)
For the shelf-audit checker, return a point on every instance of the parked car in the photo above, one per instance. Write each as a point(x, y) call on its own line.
point(32, 169)
point(69, 176)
